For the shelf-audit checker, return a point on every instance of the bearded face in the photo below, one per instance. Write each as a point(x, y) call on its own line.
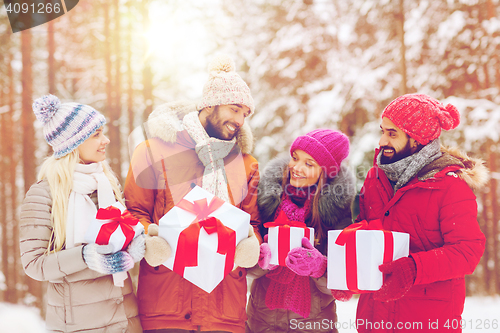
point(225, 121)
point(395, 143)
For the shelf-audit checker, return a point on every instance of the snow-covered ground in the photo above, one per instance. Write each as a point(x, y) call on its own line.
point(20, 319)
point(481, 314)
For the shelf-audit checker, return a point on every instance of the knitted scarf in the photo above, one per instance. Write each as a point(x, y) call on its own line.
point(295, 202)
point(402, 171)
point(81, 210)
point(211, 152)
point(288, 290)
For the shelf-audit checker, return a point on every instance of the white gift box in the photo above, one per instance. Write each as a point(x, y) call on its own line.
point(211, 266)
point(369, 254)
point(281, 241)
point(117, 239)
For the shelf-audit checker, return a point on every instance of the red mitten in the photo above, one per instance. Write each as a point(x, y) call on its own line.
point(306, 260)
point(399, 278)
point(342, 295)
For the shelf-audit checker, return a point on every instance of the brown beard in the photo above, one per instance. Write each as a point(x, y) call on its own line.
point(405, 152)
point(214, 130)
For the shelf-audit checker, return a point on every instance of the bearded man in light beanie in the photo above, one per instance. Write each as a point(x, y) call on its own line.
point(206, 144)
point(418, 187)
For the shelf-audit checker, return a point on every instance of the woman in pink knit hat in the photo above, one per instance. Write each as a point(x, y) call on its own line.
point(312, 186)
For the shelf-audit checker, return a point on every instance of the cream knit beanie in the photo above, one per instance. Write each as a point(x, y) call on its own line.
point(225, 86)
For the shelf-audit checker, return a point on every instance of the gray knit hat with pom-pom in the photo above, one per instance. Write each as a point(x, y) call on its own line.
point(225, 86)
point(66, 125)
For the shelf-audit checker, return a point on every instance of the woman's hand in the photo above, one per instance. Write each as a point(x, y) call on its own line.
point(306, 260)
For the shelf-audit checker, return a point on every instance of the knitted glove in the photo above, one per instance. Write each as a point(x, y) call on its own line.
point(399, 278)
point(157, 249)
point(247, 251)
point(342, 295)
point(137, 247)
point(98, 258)
point(265, 256)
point(306, 260)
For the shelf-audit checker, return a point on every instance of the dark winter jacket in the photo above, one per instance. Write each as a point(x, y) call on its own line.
point(439, 211)
point(162, 171)
point(335, 211)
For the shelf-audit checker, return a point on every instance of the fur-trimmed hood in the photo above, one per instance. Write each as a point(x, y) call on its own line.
point(166, 120)
point(334, 203)
point(472, 170)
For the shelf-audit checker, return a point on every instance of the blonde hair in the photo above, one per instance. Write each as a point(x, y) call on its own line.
point(59, 174)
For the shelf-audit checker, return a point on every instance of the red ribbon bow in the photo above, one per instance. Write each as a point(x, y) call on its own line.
point(284, 225)
point(187, 246)
point(125, 221)
point(200, 207)
point(347, 238)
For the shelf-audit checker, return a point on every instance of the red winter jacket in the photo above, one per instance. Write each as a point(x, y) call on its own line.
point(438, 209)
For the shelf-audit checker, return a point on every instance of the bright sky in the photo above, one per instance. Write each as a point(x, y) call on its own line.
point(181, 41)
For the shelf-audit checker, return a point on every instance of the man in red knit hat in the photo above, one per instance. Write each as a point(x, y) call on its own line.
point(418, 187)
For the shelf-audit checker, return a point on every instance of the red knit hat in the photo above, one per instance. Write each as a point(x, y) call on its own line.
point(421, 117)
point(328, 148)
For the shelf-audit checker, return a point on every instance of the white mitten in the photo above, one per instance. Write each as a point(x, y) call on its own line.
point(137, 247)
point(157, 248)
point(247, 251)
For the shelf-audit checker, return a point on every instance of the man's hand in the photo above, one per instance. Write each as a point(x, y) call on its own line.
point(399, 278)
point(247, 251)
point(157, 248)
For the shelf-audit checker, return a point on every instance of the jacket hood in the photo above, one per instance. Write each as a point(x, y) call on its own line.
point(472, 170)
point(336, 196)
point(166, 120)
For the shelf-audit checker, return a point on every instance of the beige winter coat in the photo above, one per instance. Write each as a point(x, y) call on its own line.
point(79, 299)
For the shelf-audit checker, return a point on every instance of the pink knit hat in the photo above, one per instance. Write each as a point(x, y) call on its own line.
point(421, 117)
point(329, 148)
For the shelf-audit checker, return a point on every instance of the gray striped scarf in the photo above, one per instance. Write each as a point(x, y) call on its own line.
point(404, 170)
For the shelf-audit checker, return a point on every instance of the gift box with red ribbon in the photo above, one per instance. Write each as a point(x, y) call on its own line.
point(113, 225)
point(203, 232)
point(355, 253)
point(285, 235)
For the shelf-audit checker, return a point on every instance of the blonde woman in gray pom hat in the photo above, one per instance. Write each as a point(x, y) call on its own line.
point(56, 213)
point(206, 144)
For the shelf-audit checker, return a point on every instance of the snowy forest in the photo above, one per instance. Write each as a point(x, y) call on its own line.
point(309, 64)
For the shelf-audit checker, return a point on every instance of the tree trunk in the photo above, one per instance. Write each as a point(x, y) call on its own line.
point(3, 195)
point(494, 211)
point(28, 138)
point(486, 256)
point(109, 84)
point(492, 12)
point(130, 76)
point(400, 21)
point(51, 66)
point(13, 161)
point(28, 116)
point(115, 111)
point(147, 74)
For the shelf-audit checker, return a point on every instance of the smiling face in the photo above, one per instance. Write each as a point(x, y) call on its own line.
point(93, 149)
point(224, 121)
point(395, 143)
point(304, 170)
